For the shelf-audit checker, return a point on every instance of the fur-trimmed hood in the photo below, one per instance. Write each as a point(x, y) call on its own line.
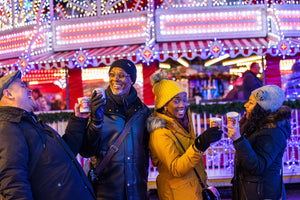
point(280, 118)
point(154, 122)
point(159, 120)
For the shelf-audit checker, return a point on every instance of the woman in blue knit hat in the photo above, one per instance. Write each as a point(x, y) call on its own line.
point(260, 142)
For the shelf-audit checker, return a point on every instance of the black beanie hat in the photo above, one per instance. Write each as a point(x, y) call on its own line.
point(127, 66)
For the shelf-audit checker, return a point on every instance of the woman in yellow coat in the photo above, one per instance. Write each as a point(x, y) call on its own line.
point(171, 125)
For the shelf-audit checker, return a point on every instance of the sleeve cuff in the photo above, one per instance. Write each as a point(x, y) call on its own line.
point(195, 148)
point(97, 124)
point(238, 140)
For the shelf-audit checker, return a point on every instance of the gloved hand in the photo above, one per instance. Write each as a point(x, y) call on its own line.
point(97, 104)
point(209, 136)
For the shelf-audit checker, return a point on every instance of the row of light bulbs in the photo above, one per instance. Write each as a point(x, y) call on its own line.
point(97, 39)
point(210, 14)
point(101, 23)
point(212, 30)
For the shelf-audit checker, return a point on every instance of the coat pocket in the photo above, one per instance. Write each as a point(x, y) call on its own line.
point(186, 189)
point(252, 188)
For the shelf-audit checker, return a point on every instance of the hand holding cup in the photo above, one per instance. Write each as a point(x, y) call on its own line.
point(233, 125)
point(84, 104)
point(98, 102)
point(80, 114)
point(234, 132)
point(232, 118)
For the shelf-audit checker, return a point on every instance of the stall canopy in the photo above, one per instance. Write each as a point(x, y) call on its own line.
point(95, 57)
point(204, 49)
point(234, 47)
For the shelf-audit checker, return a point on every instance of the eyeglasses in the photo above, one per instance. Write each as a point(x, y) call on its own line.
point(121, 75)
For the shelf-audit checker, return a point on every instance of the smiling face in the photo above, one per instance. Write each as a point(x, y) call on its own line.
point(250, 105)
point(119, 81)
point(20, 95)
point(178, 105)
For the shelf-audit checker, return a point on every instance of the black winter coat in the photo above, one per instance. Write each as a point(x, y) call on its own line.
point(258, 162)
point(127, 172)
point(57, 175)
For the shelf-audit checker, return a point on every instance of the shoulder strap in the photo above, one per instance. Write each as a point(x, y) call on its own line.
point(115, 146)
point(198, 176)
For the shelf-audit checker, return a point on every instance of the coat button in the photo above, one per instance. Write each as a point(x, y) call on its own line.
point(128, 184)
point(128, 158)
point(59, 184)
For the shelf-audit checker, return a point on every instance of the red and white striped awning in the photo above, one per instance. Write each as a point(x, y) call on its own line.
point(8, 62)
point(233, 47)
point(95, 56)
point(192, 49)
point(162, 51)
point(8, 65)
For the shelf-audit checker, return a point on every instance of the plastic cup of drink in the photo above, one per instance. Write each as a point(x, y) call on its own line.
point(232, 119)
point(215, 122)
point(84, 104)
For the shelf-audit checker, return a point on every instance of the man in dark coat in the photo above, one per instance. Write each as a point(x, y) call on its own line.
point(250, 81)
point(35, 162)
point(293, 83)
point(125, 175)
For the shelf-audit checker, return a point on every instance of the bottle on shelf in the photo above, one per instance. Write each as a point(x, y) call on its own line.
point(204, 89)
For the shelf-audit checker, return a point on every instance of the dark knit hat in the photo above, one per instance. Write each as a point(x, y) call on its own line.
point(126, 65)
point(5, 81)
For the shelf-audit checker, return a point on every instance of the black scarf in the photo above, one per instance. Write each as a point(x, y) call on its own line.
point(121, 104)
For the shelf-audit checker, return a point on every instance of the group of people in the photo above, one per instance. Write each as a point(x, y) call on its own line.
point(41, 103)
point(120, 133)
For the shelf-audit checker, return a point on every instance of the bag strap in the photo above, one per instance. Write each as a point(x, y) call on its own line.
point(115, 146)
point(198, 176)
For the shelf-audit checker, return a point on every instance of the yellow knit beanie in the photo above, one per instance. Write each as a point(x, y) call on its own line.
point(164, 89)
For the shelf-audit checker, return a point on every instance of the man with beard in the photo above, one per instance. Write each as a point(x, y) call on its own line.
point(124, 176)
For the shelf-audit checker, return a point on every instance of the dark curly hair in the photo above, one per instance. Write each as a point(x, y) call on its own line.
point(259, 118)
point(255, 121)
